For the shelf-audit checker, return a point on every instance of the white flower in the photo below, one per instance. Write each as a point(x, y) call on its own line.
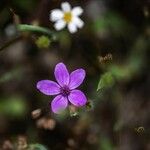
point(67, 17)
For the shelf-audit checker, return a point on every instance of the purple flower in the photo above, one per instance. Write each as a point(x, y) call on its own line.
point(65, 88)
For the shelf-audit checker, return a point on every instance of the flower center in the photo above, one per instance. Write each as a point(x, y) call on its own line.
point(68, 17)
point(65, 91)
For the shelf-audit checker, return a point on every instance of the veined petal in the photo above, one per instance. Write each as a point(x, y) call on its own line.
point(78, 22)
point(66, 7)
point(72, 27)
point(77, 98)
point(77, 11)
point(60, 24)
point(56, 14)
point(76, 78)
point(59, 103)
point(61, 74)
point(48, 87)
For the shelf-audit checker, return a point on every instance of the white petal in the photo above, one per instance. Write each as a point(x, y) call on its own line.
point(72, 27)
point(77, 11)
point(78, 22)
point(56, 14)
point(60, 24)
point(66, 7)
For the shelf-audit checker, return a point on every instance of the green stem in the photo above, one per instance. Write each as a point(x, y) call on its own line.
point(32, 28)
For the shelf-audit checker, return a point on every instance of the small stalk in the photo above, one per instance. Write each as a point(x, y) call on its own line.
point(30, 28)
point(7, 44)
point(33, 28)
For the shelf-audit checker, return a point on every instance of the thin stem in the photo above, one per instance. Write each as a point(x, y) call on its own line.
point(32, 28)
point(7, 44)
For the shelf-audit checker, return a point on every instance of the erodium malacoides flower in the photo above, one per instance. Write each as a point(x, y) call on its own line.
point(67, 17)
point(65, 88)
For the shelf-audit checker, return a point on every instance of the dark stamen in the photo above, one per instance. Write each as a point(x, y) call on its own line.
point(65, 91)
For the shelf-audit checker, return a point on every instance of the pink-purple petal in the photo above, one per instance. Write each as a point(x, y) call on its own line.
point(61, 74)
point(58, 104)
point(77, 98)
point(48, 87)
point(76, 78)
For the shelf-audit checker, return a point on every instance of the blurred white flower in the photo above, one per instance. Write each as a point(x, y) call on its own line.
point(67, 17)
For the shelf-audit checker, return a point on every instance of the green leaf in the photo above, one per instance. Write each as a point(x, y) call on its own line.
point(106, 81)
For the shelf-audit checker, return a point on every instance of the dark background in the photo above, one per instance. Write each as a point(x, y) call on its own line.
point(117, 116)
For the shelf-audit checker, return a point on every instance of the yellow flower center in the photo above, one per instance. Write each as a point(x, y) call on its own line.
point(68, 17)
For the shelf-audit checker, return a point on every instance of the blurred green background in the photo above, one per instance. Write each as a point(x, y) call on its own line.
point(113, 48)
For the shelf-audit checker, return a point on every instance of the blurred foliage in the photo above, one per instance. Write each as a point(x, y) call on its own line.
point(37, 147)
point(111, 22)
point(13, 106)
point(134, 63)
point(106, 144)
point(25, 5)
point(13, 74)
